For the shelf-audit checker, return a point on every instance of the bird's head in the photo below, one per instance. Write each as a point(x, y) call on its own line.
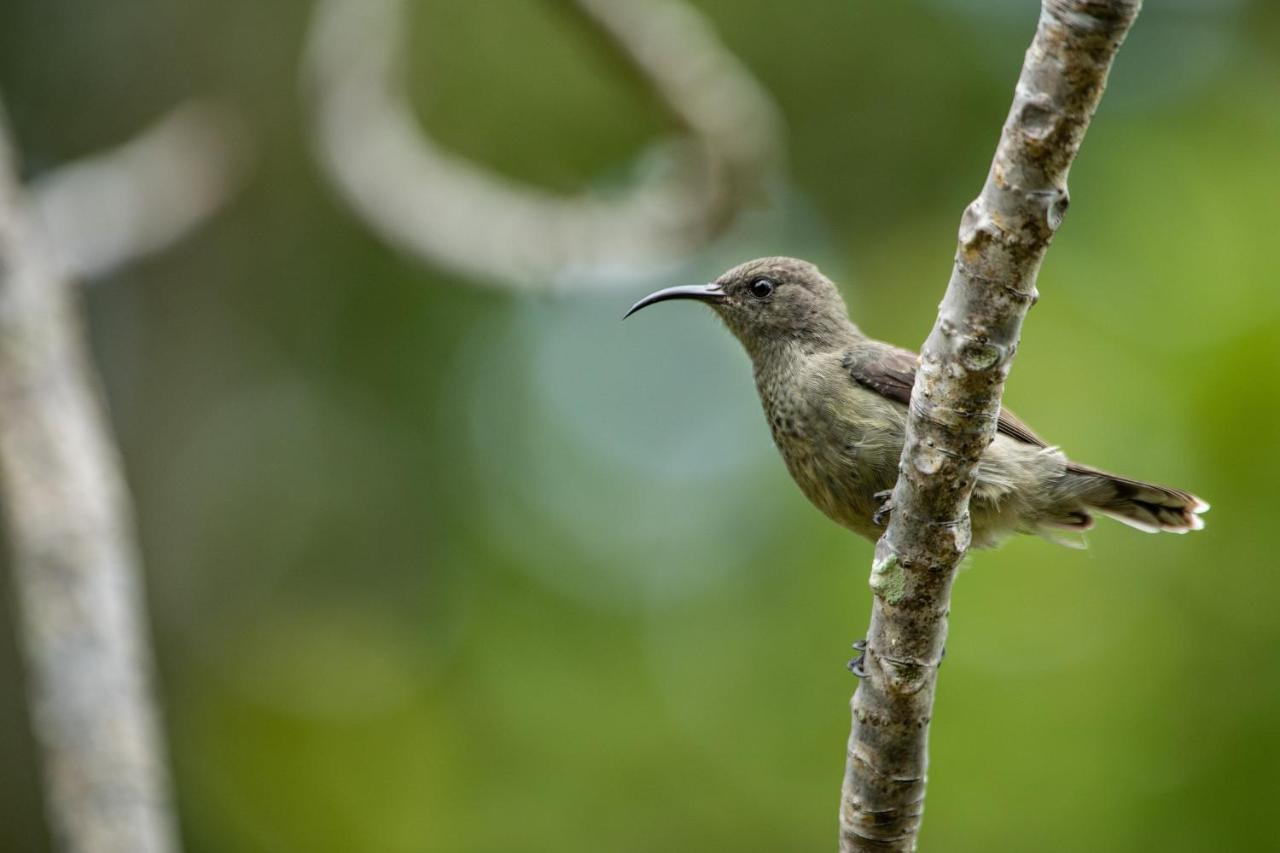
point(769, 301)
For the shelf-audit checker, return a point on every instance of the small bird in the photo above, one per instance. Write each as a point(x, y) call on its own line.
point(836, 402)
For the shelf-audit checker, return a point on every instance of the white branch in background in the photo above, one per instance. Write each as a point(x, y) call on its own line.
point(75, 565)
point(448, 212)
point(77, 572)
point(111, 208)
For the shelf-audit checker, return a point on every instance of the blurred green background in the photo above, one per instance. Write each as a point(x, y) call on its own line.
point(434, 567)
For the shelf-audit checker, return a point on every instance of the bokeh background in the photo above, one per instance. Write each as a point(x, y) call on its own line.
point(437, 567)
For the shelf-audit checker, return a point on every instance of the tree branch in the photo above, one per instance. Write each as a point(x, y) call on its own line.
point(954, 405)
point(76, 569)
point(139, 198)
point(448, 212)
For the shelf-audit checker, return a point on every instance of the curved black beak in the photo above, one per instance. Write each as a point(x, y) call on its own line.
point(701, 292)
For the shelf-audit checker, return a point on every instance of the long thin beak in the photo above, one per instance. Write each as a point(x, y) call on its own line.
point(701, 292)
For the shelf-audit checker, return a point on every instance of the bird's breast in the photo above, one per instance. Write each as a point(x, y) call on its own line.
point(833, 461)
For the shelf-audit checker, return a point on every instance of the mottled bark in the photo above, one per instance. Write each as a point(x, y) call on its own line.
point(954, 406)
point(75, 567)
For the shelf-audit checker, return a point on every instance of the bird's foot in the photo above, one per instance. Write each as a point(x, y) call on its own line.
point(857, 665)
point(885, 499)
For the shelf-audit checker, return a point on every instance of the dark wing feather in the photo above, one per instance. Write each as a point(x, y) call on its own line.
point(891, 372)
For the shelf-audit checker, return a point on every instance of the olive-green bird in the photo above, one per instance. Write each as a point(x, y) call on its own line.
point(836, 401)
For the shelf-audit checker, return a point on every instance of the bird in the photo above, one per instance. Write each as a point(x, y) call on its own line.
point(836, 402)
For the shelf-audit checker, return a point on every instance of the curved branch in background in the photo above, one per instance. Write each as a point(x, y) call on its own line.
point(954, 405)
point(77, 572)
point(111, 208)
point(448, 212)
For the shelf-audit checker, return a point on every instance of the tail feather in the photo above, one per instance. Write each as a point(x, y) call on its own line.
point(1144, 506)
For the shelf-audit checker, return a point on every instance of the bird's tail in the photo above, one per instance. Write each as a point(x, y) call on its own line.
point(1145, 506)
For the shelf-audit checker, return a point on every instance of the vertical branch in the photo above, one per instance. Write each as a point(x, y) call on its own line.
point(954, 406)
point(76, 570)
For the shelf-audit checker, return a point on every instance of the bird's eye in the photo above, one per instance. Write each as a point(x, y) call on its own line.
point(762, 288)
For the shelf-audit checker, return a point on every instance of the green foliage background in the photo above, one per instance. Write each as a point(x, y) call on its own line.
point(433, 567)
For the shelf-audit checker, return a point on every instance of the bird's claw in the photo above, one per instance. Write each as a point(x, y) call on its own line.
point(858, 665)
point(885, 499)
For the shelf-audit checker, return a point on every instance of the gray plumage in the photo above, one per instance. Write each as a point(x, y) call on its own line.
point(836, 402)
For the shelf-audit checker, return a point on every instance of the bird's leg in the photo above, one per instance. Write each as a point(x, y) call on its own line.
point(856, 665)
point(885, 499)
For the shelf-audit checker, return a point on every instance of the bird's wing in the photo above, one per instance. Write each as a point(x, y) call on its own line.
point(891, 372)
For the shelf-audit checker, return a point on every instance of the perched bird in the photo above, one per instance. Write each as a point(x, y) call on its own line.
point(836, 401)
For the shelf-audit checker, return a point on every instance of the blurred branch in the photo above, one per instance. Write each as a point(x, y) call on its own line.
point(109, 209)
point(446, 211)
point(75, 564)
point(1004, 235)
